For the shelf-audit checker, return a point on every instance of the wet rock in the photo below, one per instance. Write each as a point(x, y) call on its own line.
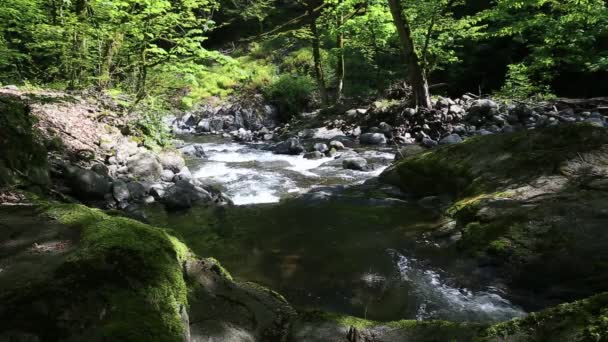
point(358, 164)
point(171, 160)
point(290, 146)
point(158, 192)
point(194, 150)
point(120, 191)
point(314, 155)
point(183, 174)
point(336, 144)
point(372, 138)
point(320, 147)
point(451, 139)
point(183, 195)
point(89, 184)
point(145, 166)
point(137, 190)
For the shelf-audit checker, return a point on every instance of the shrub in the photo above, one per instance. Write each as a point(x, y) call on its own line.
point(291, 94)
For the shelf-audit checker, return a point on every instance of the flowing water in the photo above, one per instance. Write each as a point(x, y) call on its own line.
point(342, 246)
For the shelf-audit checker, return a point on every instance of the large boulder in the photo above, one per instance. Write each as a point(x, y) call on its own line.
point(89, 184)
point(125, 149)
point(372, 138)
point(290, 146)
point(183, 195)
point(171, 160)
point(145, 166)
point(451, 139)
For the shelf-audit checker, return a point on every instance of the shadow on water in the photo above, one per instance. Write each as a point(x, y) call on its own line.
point(339, 255)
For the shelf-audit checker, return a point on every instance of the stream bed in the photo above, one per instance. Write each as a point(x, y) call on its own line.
point(325, 239)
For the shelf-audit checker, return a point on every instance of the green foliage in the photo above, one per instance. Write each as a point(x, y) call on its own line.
point(557, 34)
point(518, 85)
point(291, 93)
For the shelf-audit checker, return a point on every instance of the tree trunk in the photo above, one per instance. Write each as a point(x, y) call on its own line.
point(316, 53)
point(340, 64)
point(416, 73)
point(112, 46)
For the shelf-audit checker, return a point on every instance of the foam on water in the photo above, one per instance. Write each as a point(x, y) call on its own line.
point(251, 174)
point(439, 300)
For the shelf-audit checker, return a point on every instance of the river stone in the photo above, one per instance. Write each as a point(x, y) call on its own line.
point(171, 160)
point(336, 144)
point(88, 184)
point(183, 174)
point(120, 191)
point(483, 108)
point(428, 142)
point(451, 139)
point(145, 166)
point(594, 121)
point(290, 146)
point(137, 190)
point(372, 138)
point(101, 169)
point(183, 195)
point(358, 164)
point(314, 155)
point(167, 176)
point(194, 150)
point(321, 147)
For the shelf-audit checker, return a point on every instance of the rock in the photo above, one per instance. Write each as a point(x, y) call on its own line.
point(409, 150)
point(430, 202)
point(290, 146)
point(101, 169)
point(386, 129)
point(336, 144)
point(595, 121)
point(320, 147)
point(183, 174)
point(158, 192)
point(137, 190)
point(451, 139)
point(203, 126)
point(195, 150)
point(483, 108)
point(171, 160)
point(167, 176)
point(145, 166)
point(268, 136)
point(10, 87)
point(314, 155)
point(124, 150)
point(372, 138)
point(428, 142)
point(149, 200)
point(358, 164)
point(183, 195)
point(120, 191)
point(89, 184)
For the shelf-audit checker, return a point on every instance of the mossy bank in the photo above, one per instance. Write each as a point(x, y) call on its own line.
point(530, 206)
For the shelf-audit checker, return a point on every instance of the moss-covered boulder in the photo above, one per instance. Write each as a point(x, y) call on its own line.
point(530, 205)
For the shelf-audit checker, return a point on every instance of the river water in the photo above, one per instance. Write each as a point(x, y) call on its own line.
point(325, 238)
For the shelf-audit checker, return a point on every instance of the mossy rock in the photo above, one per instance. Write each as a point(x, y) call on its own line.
point(123, 281)
point(584, 320)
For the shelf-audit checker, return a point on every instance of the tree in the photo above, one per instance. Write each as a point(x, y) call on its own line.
point(416, 74)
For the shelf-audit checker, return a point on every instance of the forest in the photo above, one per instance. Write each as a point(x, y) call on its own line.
point(304, 170)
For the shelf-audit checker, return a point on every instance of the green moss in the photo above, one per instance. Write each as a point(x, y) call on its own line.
point(487, 164)
point(584, 320)
point(135, 268)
